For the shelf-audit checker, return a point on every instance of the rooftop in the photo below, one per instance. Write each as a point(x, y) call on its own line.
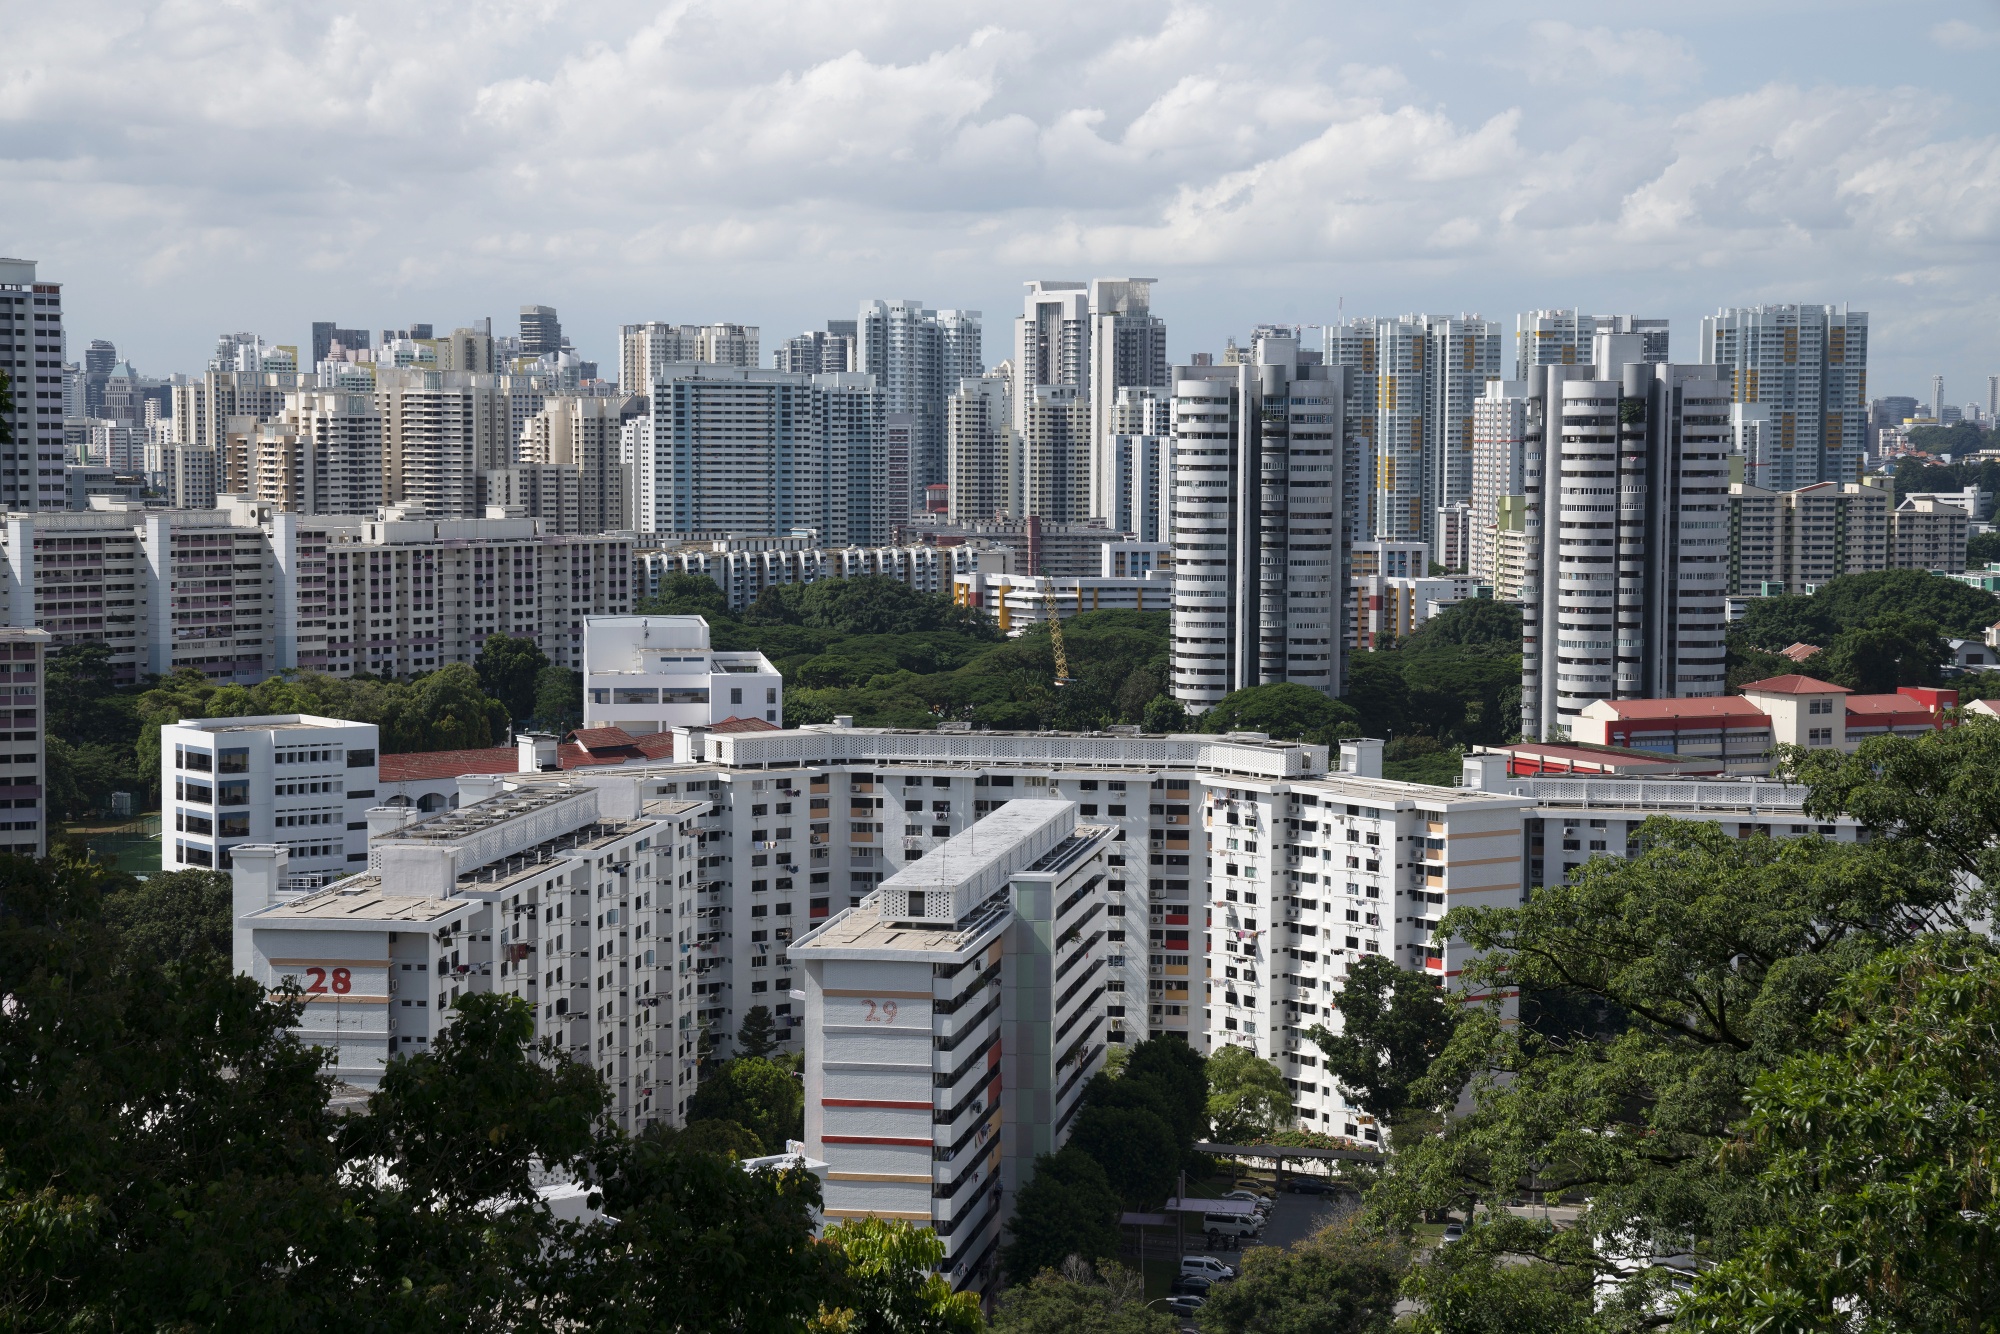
point(449, 826)
point(1719, 708)
point(981, 858)
point(419, 765)
point(268, 722)
point(362, 901)
point(1795, 684)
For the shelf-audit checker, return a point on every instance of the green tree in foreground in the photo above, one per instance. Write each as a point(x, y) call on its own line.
point(1067, 1208)
point(888, 1283)
point(1136, 1149)
point(1394, 1024)
point(1469, 1288)
point(756, 1094)
point(1080, 1299)
point(756, 1035)
point(685, 595)
point(1876, 658)
point(1877, 1147)
point(172, 915)
point(1247, 1096)
point(1342, 1280)
point(559, 699)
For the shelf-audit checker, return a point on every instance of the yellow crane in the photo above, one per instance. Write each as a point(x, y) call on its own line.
point(1063, 677)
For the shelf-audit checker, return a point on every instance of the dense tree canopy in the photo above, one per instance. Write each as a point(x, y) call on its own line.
point(1393, 1024)
point(1247, 1097)
point(508, 669)
point(1456, 682)
point(756, 1093)
point(1081, 1299)
point(1856, 601)
point(1067, 1208)
point(1286, 712)
point(1344, 1280)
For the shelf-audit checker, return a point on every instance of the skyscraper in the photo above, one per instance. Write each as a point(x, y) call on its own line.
point(1807, 368)
point(98, 359)
point(918, 356)
point(541, 332)
point(1051, 342)
point(1260, 540)
point(981, 449)
point(818, 352)
point(31, 353)
point(644, 350)
point(1565, 338)
point(325, 333)
point(584, 432)
point(1128, 350)
point(1626, 474)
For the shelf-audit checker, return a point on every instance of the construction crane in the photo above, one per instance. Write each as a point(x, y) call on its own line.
point(1063, 677)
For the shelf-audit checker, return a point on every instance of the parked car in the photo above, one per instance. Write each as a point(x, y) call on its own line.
point(1185, 1304)
point(1254, 1186)
point(1188, 1285)
point(1300, 1185)
point(1205, 1266)
point(1232, 1225)
point(1262, 1203)
point(1452, 1232)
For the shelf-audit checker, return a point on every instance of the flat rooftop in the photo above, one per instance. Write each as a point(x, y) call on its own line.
point(864, 932)
point(983, 856)
point(484, 815)
point(360, 900)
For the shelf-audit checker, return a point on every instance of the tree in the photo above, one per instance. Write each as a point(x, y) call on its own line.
point(507, 668)
point(1180, 1074)
point(1853, 601)
point(1471, 621)
point(1393, 1024)
point(888, 1283)
point(1470, 1288)
point(78, 686)
point(559, 699)
point(724, 1138)
point(755, 1036)
point(1067, 1208)
point(172, 914)
point(685, 595)
point(1284, 711)
point(1706, 956)
point(1247, 1095)
point(757, 1095)
point(1164, 713)
point(1110, 1300)
point(1982, 549)
point(1875, 659)
point(1134, 1147)
point(1877, 1146)
point(1340, 1281)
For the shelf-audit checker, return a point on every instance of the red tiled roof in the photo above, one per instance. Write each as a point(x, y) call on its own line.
point(734, 724)
point(1887, 711)
point(1799, 652)
point(424, 764)
point(601, 738)
point(1721, 708)
point(656, 745)
point(1795, 685)
point(572, 756)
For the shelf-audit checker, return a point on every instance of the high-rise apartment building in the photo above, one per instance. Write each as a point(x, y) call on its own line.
point(1806, 368)
point(31, 353)
point(819, 352)
point(325, 333)
point(584, 433)
point(1128, 351)
point(541, 331)
point(645, 350)
point(918, 356)
point(1142, 473)
point(98, 359)
point(1418, 379)
point(1499, 438)
point(982, 450)
point(1055, 455)
point(1567, 338)
point(1627, 535)
point(1051, 342)
point(744, 450)
point(1260, 537)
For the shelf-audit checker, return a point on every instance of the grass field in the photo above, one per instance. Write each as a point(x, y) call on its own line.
point(131, 845)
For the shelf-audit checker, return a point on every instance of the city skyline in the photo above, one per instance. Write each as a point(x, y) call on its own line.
point(1298, 165)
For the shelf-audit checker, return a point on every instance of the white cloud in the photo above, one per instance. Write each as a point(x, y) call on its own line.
point(1958, 35)
point(197, 162)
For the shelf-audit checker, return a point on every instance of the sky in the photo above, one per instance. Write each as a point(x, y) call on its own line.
point(188, 167)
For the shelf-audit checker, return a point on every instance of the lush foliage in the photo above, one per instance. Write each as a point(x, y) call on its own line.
point(1393, 1024)
point(1455, 682)
point(1286, 712)
point(1081, 1299)
point(1067, 1208)
point(1345, 1280)
point(91, 729)
point(1247, 1096)
point(168, 1161)
point(508, 670)
point(1857, 601)
point(171, 914)
point(756, 1093)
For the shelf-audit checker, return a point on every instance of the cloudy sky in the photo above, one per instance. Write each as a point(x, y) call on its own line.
point(190, 166)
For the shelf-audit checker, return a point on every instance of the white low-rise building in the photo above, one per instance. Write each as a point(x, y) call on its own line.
point(953, 1019)
point(290, 780)
point(649, 674)
point(1016, 601)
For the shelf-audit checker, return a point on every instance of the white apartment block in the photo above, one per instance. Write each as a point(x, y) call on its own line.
point(1261, 531)
point(1055, 454)
point(1051, 344)
point(750, 451)
point(1140, 455)
point(953, 1020)
point(1928, 534)
point(918, 356)
point(1499, 443)
point(242, 593)
point(1624, 594)
point(649, 674)
point(1128, 357)
point(574, 897)
point(1569, 337)
point(743, 567)
point(1013, 602)
point(293, 781)
point(982, 451)
point(1794, 541)
point(31, 354)
point(24, 827)
point(646, 350)
point(584, 434)
point(1806, 367)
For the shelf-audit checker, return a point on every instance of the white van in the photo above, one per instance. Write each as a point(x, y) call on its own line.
point(1205, 1266)
point(1232, 1225)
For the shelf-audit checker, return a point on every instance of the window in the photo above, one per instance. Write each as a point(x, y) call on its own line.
point(233, 760)
point(360, 759)
point(235, 792)
point(771, 695)
point(1820, 736)
point(1820, 706)
point(635, 695)
point(736, 694)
